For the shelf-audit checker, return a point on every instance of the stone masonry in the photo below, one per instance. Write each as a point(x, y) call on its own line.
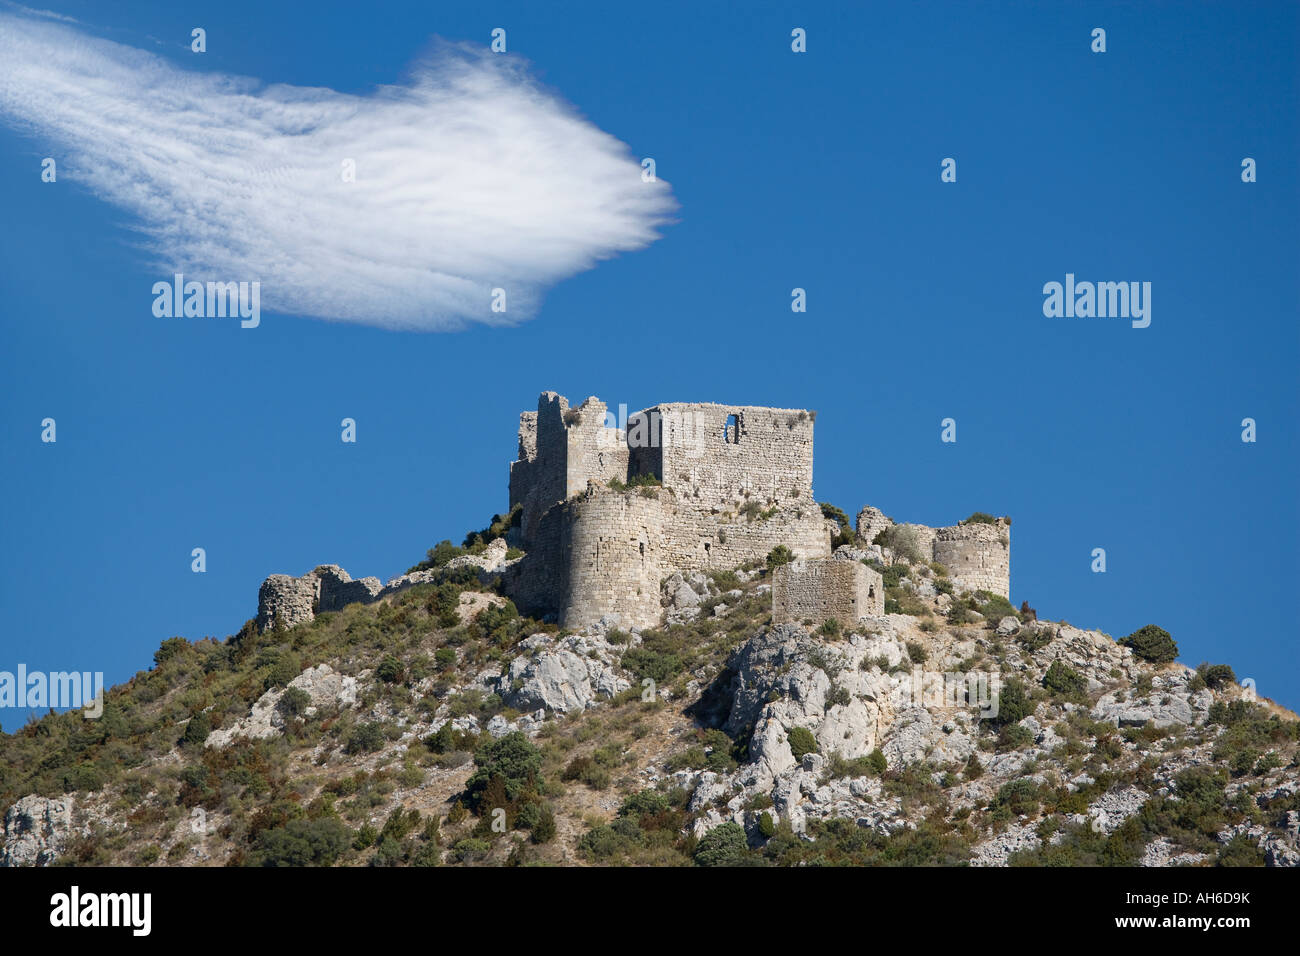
point(298, 600)
point(977, 555)
point(819, 589)
point(727, 484)
point(608, 510)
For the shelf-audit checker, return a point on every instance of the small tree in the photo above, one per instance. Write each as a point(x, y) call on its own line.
point(1013, 704)
point(1217, 675)
point(778, 556)
point(197, 730)
point(724, 845)
point(390, 670)
point(512, 758)
point(1152, 644)
point(1060, 679)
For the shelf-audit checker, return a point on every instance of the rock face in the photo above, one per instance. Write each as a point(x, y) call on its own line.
point(845, 696)
point(492, 559)
point(323, 685)
point(1169, 704)
point(36, 831)
point(561, 676)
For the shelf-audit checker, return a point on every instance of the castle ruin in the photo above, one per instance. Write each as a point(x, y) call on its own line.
point(607, 510)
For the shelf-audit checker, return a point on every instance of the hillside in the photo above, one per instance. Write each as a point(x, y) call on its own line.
point(438, 726)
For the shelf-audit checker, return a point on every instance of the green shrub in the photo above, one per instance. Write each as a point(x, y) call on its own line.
point(197, 730)
point(778, 556)
point(838, 695)
point(801, 742)
point(994, 607)
point(724, 845)
point(917, 653)
point(544, 829)
point(1216, 676)
point(302, 842)
point(766, 825)
point(904, 542)
point(1017, 797)
point(169, 649)
point(1152, 644)
point(980, 517)
point(364, 738)
point(845, 533)
point(611, 840)
point(513, 759)
point(645, 662)
point(390, 670)
point(644, 803)
point(1241, 850)
point(1013, 704)
point(470, 849)
point(293, 702)
point(1063, 681)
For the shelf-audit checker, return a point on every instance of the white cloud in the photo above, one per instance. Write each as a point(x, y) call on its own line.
point(469, 176)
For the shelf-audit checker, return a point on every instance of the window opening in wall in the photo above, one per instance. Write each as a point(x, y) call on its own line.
point(731, 433)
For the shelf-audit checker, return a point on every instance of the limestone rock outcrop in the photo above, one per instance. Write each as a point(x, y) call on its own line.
point(36, 831)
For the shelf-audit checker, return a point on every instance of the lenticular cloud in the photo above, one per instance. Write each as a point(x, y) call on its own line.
point(468, 178)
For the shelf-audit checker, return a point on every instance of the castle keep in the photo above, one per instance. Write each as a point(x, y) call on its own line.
point(608, 512)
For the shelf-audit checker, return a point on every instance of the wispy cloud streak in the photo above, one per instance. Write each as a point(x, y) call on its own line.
point(469, 176)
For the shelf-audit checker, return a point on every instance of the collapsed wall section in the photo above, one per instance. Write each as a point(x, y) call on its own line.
point(289, 601)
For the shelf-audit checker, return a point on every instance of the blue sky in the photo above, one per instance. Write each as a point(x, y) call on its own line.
point(818, 171)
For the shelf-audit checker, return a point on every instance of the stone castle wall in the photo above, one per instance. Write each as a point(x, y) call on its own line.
point(826, 588)
point(298, 600)
point(560, 450)
point(706, 459)
point(614, 545)
point(736, 483)
point(977, 556)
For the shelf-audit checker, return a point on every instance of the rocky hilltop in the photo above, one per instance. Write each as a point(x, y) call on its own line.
point(427, 722)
